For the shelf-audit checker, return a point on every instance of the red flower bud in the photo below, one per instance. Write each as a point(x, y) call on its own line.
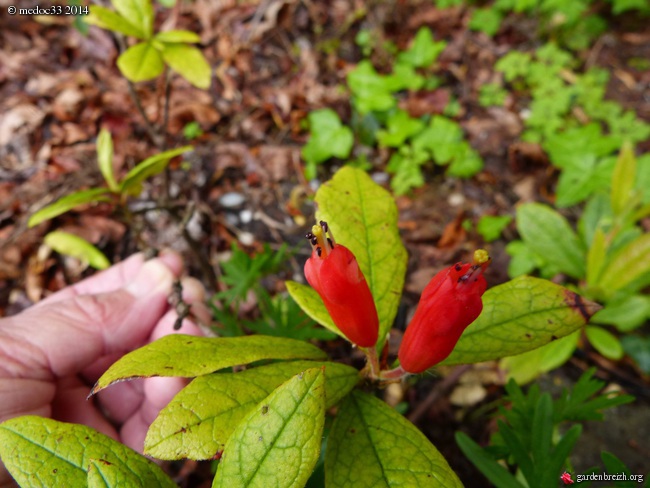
point(333, 271)
point(449, 303)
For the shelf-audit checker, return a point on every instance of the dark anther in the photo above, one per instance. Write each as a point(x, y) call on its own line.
point(330, 242)
point(314, 240)
point(319, 251)
point(458, 267)
point(323, 225)
point(309, 236)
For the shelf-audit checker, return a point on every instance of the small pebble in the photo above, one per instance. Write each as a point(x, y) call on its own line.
point(456, 199)
point(380, 177)
point(245, 216)
point(232, 199)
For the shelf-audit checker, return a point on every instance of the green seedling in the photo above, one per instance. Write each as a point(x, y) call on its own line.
point(146, 60)
point(116, 192)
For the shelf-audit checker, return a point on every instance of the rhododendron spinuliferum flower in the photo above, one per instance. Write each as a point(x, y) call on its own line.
point(449, 303)
point(333, 271)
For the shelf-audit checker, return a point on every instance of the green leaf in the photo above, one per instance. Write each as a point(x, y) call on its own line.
point(108, 19)
point(94, 195)
point(490, 227)
point(638, 348)
point(519, 316)
point(466, 161)
point(423, 51)
point(312, 305)
point(627, 314)
point(623, 179)
point(486, 20)
point(525, 367)
point(604, 342)
point(42, 452)
point(400, 126)
point(628, 264)
point(492, 470)
point(138, 12)
point(371, 90)
point(549, 234)
point(363, 217)
point(140, 62)
point(371, 445)
point(131, 183)
point(329, 137)
point(199, 420)
point(187, 356)
point(406, 165)
point(596, 257)
point(189, 62)
point(75, 246)
point(173, 36)
point(279, 442)
point(442, 137)
point(105, 158)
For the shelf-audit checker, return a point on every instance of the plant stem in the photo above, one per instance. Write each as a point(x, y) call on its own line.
point(373, 361)
point(393, 374)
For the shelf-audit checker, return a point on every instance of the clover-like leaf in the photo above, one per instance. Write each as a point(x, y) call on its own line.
point(363, 217)
point(43, 452)
point(372, 446)
point(141, 62)
point(518, 316)
point(199, 420)
point(187, 356)
point(189, 62)
point(111, 20)
point(278, 443)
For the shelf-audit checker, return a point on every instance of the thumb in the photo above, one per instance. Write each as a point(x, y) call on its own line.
point(68, 335)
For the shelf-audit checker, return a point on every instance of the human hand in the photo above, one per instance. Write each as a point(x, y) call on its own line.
point(52, 353)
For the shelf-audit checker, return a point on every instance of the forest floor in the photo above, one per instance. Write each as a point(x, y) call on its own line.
point(275, 61)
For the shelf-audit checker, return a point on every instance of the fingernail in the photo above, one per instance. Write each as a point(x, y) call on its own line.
point(152, 278)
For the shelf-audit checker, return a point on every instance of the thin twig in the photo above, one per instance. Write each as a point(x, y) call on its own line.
point(448, 381)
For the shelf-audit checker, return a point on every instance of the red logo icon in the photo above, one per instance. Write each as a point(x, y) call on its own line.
point(566, 478)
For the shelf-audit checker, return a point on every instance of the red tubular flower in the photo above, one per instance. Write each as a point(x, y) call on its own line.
point(333, 271)
point(449, 303)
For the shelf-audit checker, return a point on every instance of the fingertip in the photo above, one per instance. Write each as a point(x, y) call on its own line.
point(172, 260)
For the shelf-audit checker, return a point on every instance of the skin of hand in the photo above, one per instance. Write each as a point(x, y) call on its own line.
point(52, 353)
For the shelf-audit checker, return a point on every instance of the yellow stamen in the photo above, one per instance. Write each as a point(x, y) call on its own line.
point(481, 257)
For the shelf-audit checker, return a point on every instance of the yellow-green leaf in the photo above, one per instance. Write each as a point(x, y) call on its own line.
point(549, 234)
point(518, 316)
point(105, 158)
point(372, 446)
point(108, 19)
point(178, 36)
point(199, 420)
point(187, 356)
point(623, 179)
point(525, 367)
point(596, 257)
point(628, 264)
point(40, 452)
point(94, 195)
point(77, 247)
point(278, 443)
point(363, 217)
point(312, 304)
point(139, 13)
point(140, 62)
point(188, 62)
point(604, 342)
point(149, 167)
